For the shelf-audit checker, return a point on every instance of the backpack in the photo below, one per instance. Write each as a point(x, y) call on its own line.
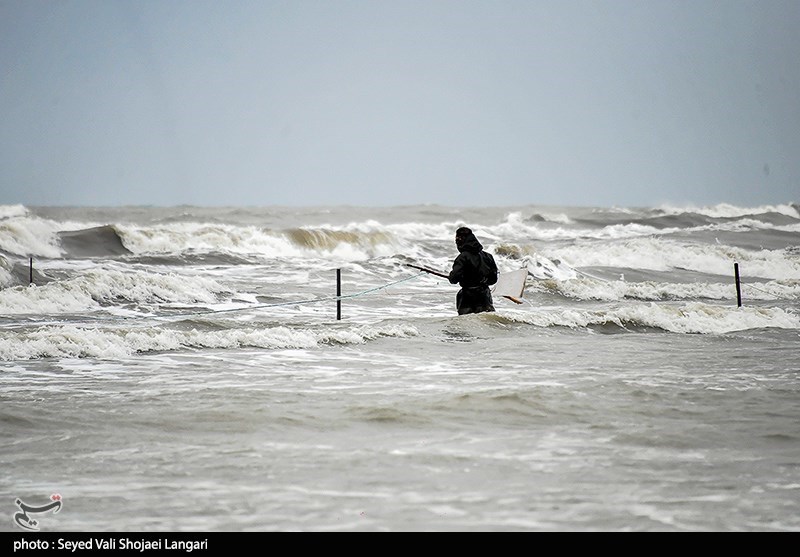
point(488, 268)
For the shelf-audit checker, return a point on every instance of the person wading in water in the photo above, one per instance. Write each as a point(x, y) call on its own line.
point(474, 270)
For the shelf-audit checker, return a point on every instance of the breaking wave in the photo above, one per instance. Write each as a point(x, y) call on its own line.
point(616, 290)
point(71, 341)
point(101, 287)
point(661, 254)
point(692, 318)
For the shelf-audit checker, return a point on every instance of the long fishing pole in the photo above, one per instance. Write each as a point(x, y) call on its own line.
point(440, 274)
point(431, 271)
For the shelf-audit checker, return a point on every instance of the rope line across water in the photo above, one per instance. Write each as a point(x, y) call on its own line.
point(293, 303)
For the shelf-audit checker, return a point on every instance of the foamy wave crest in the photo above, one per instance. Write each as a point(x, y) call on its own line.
point(6, 278)
point(724, 210)
point(615, 290)
point(71, 341)
point(517, 225)
point(560, 218)
point(696, 318)
point(773, 290)
point(366, 333)
point(97, 287)
point(251, 240)
point(29, 236)
point(659, 254)
point(11, 211)
point(407, 235)
point(538, 266)
point(353, 242)
point(525, 232)
point(518, 228)
point(628, 230)
point(415, 231)
point(200, 237)
point(541, 267)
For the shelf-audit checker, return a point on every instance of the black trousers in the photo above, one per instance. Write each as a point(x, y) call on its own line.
point(474, 299)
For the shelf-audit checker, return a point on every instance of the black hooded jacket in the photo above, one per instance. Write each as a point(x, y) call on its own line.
point(473, 266)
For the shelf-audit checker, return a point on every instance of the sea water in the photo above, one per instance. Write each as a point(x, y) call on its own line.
point(183, 369)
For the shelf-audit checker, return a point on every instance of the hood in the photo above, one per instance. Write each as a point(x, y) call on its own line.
point(468, 242)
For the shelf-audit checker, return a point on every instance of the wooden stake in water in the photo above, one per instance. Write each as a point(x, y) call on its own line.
point(30, 280)
point(338, 294)
point(738, 285)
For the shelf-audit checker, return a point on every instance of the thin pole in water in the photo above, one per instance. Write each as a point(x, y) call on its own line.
point(738, 285)
point(30, 280)
point(338, 294)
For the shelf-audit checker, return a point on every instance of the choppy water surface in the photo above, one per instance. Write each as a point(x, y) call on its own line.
point(183, 369)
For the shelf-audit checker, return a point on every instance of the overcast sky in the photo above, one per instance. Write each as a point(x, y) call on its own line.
point(398, 102)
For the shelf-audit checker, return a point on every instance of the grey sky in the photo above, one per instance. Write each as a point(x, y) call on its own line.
point(384, 102)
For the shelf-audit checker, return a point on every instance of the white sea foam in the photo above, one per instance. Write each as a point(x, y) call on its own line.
point(688, 318)
point(5, 272)
point(71, 341)
point(333, 242)
point(533, 232)
point(615, 290)
point(590, 289)
point(514, 226)
point(27, 236)
point(661, 254)
point(24, 234)
point(94, 287)
point(10, 211)
point(725, 210)
point(541, 267)
point(180, 237)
